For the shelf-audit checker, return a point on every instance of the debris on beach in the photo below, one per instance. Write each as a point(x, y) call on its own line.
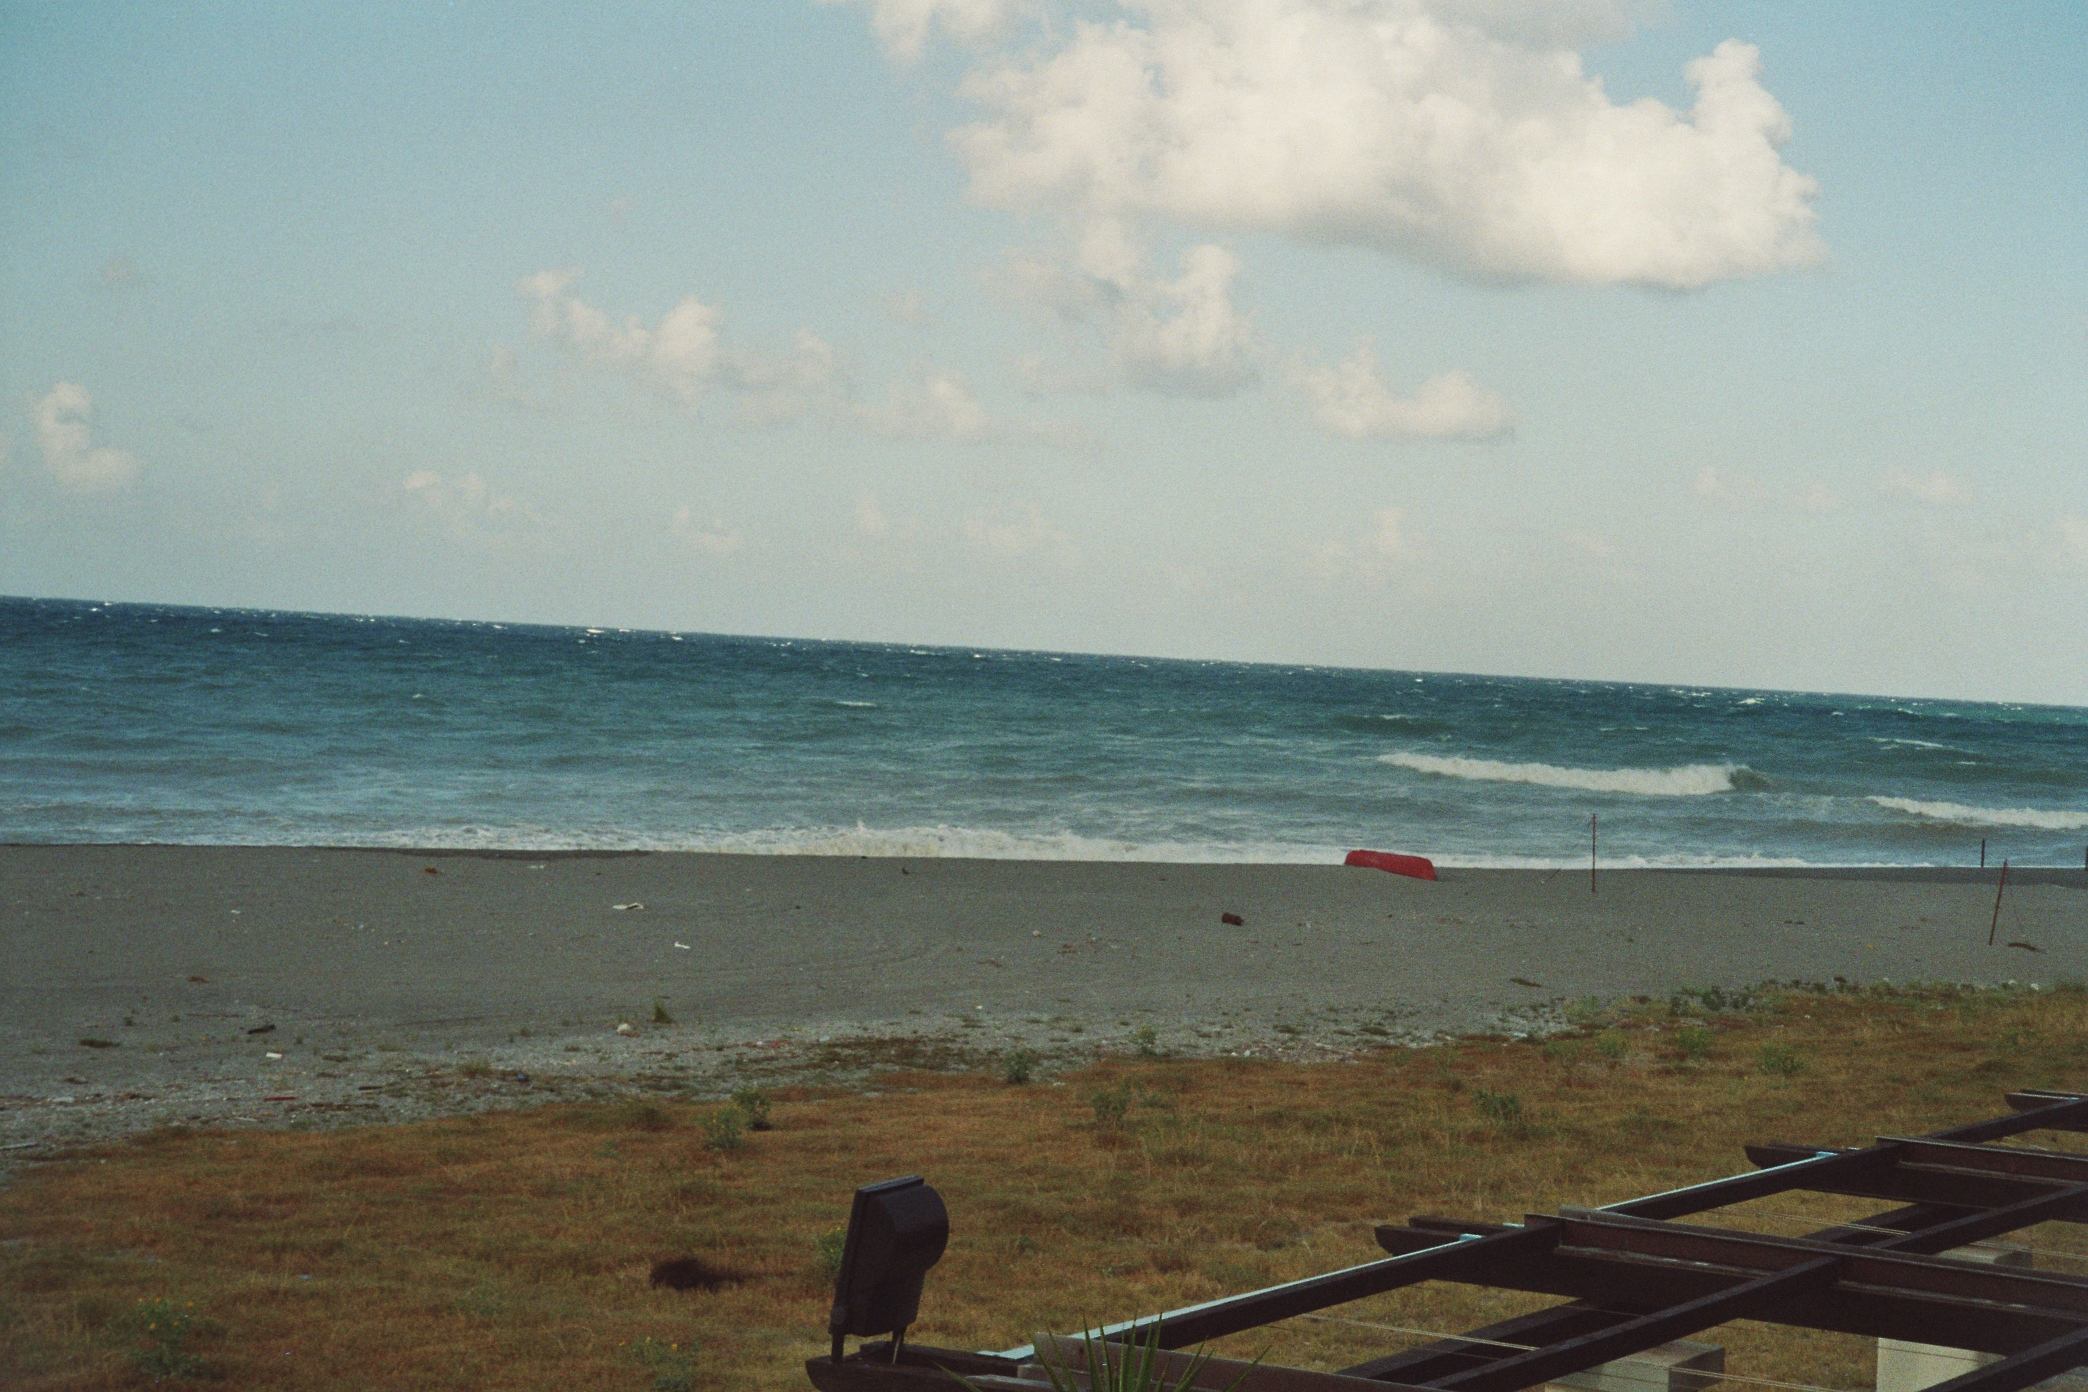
point(1525, 981)
point(1232, 920)
point(2027, 947)
point(684, 947)
point(626, 1029)
point(632, 905)
point(262, 1029)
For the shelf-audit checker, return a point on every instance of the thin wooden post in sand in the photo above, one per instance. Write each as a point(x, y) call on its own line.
point(1982, 853)
point(1996, 924)
point(1591, 852)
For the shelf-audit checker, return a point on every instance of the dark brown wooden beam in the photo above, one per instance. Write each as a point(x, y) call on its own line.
point(1758, 1298)
point(2025, 1369)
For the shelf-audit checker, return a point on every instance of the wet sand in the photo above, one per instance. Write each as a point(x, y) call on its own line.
point(376, 968)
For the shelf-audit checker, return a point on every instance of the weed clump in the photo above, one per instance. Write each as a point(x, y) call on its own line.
point(156, 1334)
point(1111, 1106)
point(1612, 1045)
point(826, 1253)
point(475, 1068)
point(659, 1013)
point(1503, 1111)
point(1018, 1065)
point(1694, 1041)
point(1146, 1040)
point(672, 1366)
point(753, 1106)
point(723, 1128)
point(1779, 1061)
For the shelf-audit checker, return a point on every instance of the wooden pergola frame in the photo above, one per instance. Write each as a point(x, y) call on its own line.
point(1635, 1277)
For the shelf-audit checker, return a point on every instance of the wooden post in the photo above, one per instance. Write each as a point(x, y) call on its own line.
point(1591, 852)
point(1982, 853)
point(1996, 924)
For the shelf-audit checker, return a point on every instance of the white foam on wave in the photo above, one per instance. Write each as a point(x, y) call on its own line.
point(1689, 780)
point(1959, 813)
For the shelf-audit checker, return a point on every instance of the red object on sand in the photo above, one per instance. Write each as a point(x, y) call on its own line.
point(1420, 867)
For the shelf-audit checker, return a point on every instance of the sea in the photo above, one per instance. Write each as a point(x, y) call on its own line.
point(166, 724)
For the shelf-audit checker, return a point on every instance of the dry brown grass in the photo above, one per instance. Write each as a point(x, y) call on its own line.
point(514, 1250)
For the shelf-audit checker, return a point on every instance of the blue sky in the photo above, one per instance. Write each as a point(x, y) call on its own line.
point(1406, 334)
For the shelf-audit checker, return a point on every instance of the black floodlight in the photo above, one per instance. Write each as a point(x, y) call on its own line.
point(896, 1231)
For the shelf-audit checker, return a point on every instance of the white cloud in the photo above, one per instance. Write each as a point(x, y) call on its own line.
point(1462, 133)
point(931, 403)
point(683, 357)
point(1181, 337)
point(1937, 488)
point(904, 27)
point(64, 420)
point(1031, 534)
point(1743, 491)
point(680, 355)
point(467, 497)
point(870, 519)
point(908, 307)
point(1350, 399)
point(1385, 544)
point(715, 537)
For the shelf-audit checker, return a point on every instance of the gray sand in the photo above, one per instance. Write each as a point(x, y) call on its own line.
point(379, 977)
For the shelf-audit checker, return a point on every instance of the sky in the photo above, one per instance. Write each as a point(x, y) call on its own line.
point(1723, 344)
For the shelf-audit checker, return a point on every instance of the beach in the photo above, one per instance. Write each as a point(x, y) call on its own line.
point(286, 985)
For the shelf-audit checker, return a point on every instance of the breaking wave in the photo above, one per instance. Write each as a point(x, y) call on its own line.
point(1690, 780)
point(1959, 813)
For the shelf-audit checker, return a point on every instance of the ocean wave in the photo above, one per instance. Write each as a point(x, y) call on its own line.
point(1689, 780)
point(1959, 813)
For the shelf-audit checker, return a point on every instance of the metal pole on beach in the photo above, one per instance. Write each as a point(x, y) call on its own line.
point(1591, 851)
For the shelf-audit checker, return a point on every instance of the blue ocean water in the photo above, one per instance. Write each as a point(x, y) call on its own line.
point(148, 723)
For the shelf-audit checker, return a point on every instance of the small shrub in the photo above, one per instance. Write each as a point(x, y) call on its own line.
point(1146, 1040)
point(475, 1068)
point(1503, 1109)
point(640, 1115)
point(826, 1253)
point(660, 1015)
point(1612, 1045)
point(1560, 1051)
point(672, 1366)
point(754, 1106)
point(722, 1128)
point(1018, 1065)
point(1694, 1041)
point(1111, 1105)
point(156, 1334)
point(1779, 1061)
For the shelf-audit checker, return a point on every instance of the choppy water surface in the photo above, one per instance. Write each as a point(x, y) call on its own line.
point(153, 723)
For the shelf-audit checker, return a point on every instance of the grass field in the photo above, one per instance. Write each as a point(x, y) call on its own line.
point(513, 1250)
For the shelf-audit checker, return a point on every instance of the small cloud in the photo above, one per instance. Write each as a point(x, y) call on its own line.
point(904, 27)
point(64, 421)
point(714, 537)
point(467, 505)
point(908, 307)
point(506, 382)
point(870, 519)
point(1029, 535)
point(1178, 337)
point(619, 209)
point(118, 273)
point(1744, 492)
point(1350, 399)
point(1935, 489)
point(1385, 544)
point(2070, 540)
point(931, 403)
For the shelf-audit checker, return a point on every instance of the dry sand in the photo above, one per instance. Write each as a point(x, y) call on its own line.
point(376, 973)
